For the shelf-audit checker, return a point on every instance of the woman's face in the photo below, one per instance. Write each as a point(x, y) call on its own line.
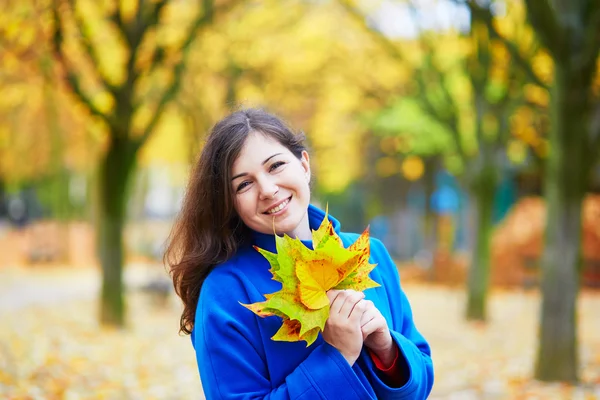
point(271, 187)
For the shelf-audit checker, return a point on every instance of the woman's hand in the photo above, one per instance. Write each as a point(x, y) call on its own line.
point(376, 333)
point(343, 327)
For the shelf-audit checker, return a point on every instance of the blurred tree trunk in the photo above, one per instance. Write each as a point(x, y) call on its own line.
point(429, 217)
point(116, 170)
point(567, 171)
point(118, 164)
point(569, 31)
point(483, 192)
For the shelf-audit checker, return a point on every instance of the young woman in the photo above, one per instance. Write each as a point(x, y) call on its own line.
point(253, 174)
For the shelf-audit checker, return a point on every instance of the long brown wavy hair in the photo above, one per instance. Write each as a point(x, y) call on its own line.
point(207, 230)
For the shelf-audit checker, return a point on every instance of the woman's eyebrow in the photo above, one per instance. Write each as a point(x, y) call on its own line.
point(266, 160)
point(263, 163)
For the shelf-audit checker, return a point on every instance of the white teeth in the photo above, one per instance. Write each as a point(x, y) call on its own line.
point(278, 208)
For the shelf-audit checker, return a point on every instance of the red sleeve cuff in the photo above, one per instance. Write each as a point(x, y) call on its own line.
point(393, 375)
point(381, 367)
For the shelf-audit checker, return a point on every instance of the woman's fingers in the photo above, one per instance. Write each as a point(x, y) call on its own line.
point(370, 327)
point(342, 329)
point(374, 329)
point(331, 295)
point(336, 301)
point(342, 301)
point(357, 312)
point(351, 300)
point(369, 314)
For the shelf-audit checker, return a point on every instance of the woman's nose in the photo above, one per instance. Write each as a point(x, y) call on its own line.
point(268, 189)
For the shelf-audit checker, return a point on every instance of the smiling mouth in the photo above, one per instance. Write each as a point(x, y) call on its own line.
point(278, 207)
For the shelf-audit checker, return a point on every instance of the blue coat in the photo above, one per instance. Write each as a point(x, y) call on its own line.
point(238, 360)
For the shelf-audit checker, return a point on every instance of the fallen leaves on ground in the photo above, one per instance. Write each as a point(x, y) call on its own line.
point(61, 353)
point(496, 360)
point(58, 351)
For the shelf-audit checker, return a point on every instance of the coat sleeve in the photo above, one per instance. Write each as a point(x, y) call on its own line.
point(231, 356)
point(415, 353)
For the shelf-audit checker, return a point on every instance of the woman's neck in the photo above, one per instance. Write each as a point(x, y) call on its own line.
point(302, 231)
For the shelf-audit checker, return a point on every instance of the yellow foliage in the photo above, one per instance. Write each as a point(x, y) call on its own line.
point(500, 65)
point(529, 135)
point(168, 143)
point(175, 23)
point(310, 70)
point(128, 9)
point(111, 50)
point(513, 26)
point(142, 117)
point(4, 137)
point(413, 168)
point(386, 166)
point(517, 151)
point(448, 49)
point(543, 148)
point(104, 102)
point(499, 53)
point(249, 94)
point(390, 145)
point(213, 47)
point(335, 141)
point(490, 125)
point(305, 62)
point(543, 66)
point(596, 81)
point(9, 63)
point(537, 95)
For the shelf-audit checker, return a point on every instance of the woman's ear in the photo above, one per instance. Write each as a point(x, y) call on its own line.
point(305, 161)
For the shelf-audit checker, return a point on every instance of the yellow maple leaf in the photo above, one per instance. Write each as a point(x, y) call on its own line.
point(290, 331)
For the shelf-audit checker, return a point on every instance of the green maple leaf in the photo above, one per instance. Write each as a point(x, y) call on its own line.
point(306, 276)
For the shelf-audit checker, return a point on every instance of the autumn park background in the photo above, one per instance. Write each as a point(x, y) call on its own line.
point(465, 133)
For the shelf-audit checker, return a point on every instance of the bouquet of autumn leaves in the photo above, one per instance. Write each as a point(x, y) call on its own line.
point(306, 275)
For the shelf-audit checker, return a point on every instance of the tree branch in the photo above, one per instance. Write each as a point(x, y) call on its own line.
point(71, 77)
point(205, 18)
point(546, 25)
point(150, 20)
point(485, 15)
point(134, 32)
point(479, 61)
point(144, 21)
point(89, 48)
point(117, 19)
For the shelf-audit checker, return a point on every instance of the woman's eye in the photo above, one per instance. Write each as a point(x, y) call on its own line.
point(276, 165)
point(242, 185)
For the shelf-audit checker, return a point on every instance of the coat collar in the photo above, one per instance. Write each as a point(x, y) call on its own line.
point(315, 217)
